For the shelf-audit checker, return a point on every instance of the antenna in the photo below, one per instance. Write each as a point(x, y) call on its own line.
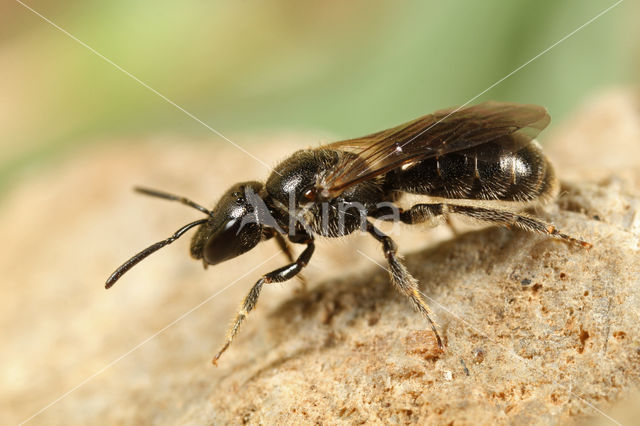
point(171, 197)
point(149, 250)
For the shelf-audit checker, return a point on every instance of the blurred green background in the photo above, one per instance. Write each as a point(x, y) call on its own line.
point(342, 67)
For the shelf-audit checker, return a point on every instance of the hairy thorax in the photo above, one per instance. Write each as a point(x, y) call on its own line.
point(292, 180)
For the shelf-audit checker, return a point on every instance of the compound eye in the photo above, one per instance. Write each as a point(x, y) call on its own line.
point(234, 239)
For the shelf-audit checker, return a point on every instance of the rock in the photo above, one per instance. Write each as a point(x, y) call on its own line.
point(535, 331)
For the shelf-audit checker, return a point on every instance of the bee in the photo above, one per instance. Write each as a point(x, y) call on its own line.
point(481, 161)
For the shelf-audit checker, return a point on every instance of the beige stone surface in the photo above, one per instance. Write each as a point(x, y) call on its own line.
point(536, 331)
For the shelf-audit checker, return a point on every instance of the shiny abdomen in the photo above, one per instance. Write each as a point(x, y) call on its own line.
point(485, 172)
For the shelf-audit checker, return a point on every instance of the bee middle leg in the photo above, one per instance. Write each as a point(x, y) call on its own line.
point(401, 278)
point(279, 275)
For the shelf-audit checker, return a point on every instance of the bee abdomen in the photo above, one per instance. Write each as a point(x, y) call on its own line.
point(485, 172)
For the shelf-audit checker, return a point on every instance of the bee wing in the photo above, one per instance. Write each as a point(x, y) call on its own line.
point(443, 132)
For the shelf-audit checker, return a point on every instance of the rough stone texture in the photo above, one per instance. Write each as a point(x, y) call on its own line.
point(536, 331)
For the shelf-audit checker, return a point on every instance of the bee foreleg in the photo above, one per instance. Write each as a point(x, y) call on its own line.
point(288, 251)
point(401, 278)
point(279, 275)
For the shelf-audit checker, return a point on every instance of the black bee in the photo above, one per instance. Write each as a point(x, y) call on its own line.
point(481, 161)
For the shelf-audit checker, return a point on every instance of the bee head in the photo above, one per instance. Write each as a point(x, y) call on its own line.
point(234, 227)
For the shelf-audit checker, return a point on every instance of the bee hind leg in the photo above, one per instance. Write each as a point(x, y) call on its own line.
point(402, 279)
point(420, 213)
point(516, 220)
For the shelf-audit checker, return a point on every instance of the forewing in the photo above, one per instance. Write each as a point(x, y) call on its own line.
point(443, 132)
